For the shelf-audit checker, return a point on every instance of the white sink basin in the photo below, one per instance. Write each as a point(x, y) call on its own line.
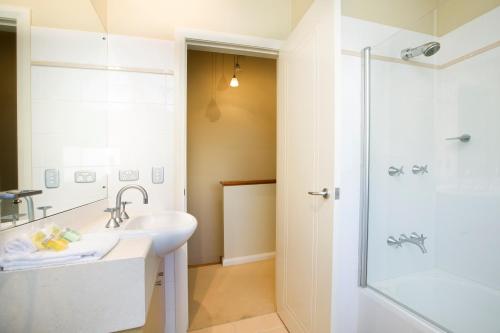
point(169, 230)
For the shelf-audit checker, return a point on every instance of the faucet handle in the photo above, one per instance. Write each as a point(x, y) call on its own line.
point(391, 241)
point(403, 237)
point(418, 237)
point(416, 169)
point(393, 171)
point(123, 213)
point(44, 209)
point(112, 219)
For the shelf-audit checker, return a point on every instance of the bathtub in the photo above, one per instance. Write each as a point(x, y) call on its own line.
point(448, 301)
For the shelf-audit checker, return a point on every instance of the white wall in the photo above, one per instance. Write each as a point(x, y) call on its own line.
point(249, 222)
point(102, 120)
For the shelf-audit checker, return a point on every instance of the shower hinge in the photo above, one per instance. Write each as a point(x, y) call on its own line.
point(337, 193)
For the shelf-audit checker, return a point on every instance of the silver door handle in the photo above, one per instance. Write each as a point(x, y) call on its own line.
point(324, 193)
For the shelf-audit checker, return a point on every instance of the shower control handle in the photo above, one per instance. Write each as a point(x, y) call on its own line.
point(462, 138)
point(416, 169)
point(393, 171)
point(324, 193)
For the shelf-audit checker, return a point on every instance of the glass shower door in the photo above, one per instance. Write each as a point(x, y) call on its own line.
point(432, 190)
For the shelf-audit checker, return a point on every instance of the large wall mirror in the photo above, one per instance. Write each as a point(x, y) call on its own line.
point(53, 102)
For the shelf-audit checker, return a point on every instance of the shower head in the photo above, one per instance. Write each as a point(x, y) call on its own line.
point(428, 49)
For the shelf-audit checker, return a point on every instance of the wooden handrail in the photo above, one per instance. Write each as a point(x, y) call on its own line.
point(247, 182)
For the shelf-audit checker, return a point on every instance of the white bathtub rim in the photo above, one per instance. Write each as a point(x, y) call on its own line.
point(401, 311)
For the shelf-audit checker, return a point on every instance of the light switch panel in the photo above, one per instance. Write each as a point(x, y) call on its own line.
point(51, 178)
point(83, 176)
point(158, 175)
point(128, 175)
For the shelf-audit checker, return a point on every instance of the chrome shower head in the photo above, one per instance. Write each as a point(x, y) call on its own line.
point(428, 49)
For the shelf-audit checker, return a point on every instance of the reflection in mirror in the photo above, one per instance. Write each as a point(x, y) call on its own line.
point(65, 136)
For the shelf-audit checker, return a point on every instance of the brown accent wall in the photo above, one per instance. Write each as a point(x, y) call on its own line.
point(231, 135)
point(8, 111)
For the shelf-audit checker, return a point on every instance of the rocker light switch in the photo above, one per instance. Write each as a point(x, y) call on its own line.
point(158, 175)
point(51, 178)
point(129, 175)
point(85, 176)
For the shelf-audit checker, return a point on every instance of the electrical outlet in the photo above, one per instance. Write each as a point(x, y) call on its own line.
point(128, 175)
point(85, 176)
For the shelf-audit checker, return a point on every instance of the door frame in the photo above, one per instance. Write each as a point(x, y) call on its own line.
point(213, 42)
point(22, 16)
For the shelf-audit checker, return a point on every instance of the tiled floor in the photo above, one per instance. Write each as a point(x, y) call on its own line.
point(219, 295)
point(269, 323)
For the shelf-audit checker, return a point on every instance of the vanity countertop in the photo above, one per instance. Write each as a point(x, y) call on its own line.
point(107, 295)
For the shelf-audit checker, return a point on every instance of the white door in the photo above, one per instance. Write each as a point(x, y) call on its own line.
point(305, 163)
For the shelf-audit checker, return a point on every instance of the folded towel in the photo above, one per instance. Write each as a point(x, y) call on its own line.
point(91, 247)
point(19, 244)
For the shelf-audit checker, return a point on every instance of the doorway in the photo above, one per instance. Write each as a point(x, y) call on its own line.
point(231, 175)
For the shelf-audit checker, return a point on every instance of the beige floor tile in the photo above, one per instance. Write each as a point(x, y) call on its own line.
point(224, 328)
point(259, 324)
point(276, 330)
point(219, 295)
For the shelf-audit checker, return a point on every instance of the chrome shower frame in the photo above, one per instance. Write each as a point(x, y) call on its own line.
point(365, 169)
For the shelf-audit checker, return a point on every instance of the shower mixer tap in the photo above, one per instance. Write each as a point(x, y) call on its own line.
point(393, 171)
point(415, 239)
point(416, 169)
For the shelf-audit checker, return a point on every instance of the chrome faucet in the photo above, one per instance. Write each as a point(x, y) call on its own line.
point(414, 239)
point(16, 196)
point(118, 205)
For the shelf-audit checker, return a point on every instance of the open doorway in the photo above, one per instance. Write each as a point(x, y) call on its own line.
point(231, 172)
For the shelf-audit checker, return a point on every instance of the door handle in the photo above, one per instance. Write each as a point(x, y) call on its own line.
point(324, 193)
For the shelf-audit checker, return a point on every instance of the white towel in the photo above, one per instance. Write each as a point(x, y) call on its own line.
point(19, 244)
point(91, 247)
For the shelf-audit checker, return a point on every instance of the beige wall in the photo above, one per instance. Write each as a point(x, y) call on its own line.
point(62, 14)
point(159, 18)
point(8, 111)
point(437, 17)
point(299, 8)
point(231, 136)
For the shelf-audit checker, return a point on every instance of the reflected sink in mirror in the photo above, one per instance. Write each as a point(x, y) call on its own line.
point(169, 230)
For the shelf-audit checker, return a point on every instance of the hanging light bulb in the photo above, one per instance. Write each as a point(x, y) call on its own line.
point(234, 81)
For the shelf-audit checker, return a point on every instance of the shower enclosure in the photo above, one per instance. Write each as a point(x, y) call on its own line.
point(430, 215)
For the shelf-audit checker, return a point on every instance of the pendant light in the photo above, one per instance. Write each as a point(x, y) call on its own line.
point(234, 81)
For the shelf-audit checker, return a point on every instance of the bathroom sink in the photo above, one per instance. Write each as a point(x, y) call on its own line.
point(169, 230)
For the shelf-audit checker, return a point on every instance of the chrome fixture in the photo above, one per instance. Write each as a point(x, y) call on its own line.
point(391, 241)
point(26, 194)
point(393, 171)
point(416, 169)
point(124, 215)
point(365, 169)
point(414, 239)
point(462, 138)
point(13, 218)
point(428, 49)
point(112, 219)
point(44, 210)
point(119, 199)
point(324, 193)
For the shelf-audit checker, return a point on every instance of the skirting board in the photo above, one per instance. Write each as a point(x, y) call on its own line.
point(247, 259)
